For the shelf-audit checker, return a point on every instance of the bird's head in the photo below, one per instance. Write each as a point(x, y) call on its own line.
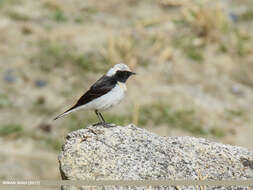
point(120, 72)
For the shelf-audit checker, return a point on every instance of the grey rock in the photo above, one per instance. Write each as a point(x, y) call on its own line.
point(132, 153)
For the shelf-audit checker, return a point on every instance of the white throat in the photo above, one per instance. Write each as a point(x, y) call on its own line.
point(122, 85)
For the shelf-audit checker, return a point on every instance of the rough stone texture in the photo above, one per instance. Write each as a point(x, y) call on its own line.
point(134, 153)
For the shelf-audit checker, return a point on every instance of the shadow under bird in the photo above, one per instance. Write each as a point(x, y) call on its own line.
point(105, 93)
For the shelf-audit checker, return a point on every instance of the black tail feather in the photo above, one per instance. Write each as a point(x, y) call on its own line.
point(64, 113)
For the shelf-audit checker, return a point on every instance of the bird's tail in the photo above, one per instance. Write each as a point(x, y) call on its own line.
point(59, 116)
point(65, 113)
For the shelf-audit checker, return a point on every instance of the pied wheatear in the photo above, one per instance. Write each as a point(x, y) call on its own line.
point(106, 92)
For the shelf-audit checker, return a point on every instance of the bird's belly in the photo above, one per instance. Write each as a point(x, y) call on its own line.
point(108, 100)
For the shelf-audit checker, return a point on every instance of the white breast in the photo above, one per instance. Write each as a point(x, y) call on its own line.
point(108, 100)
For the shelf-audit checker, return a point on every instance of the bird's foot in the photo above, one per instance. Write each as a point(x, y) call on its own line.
point(108, 125)
point(97, 124)
point(104, 124)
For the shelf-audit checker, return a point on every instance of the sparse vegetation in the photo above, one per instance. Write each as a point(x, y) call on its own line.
point(40, 107)
point(235, 114)
point(243, 74)
point(51, 142)
point(4, 3)
point(11, 129)
point(244, 44)
point(217, 132)
point(191, 46)
point(79, 19)
point(204, 20)
point(58, 15)
point(17, 131)
point(4, 101)
point(53, 54)
point(74, 123)
point(123, 48)
point(160, 113)
point(247, 15)
point(18, 16)
point(188, 120)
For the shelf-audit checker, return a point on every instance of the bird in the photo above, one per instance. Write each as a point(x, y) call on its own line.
point(105, 93)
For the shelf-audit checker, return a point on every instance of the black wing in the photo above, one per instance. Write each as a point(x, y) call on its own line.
point(99, 88)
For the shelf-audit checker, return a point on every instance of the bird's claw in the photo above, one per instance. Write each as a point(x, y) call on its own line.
point(97, 124)
point(108, 125)
point(104, 124)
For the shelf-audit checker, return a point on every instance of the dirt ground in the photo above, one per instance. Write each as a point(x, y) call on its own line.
point(193, 59)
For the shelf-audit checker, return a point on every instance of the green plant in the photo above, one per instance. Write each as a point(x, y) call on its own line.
point(40, 107)
point(53, 54)
point(52, 142)
point(11, 128)
point(160, 113)
point(74, 123)
point(59, 16)
point(185, 119)
point(217, 132)
point(47, 140)
point(9, 2)
point(231, 114)
point(85, 61)
point(18, 16)
point(247, 15)
point(244, 43)
point(186, 44)
point(195, 54)
point(79, 20)
point(4, 101)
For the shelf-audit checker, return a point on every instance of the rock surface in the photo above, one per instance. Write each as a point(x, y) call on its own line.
point(134, 153)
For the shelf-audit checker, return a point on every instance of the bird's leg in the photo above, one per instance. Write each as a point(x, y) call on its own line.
point(104, 123)
point(101, 120)
point(101, 117)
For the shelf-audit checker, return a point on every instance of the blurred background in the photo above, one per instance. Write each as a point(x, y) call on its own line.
point(194, 61)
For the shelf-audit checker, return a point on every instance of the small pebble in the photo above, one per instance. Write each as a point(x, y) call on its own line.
point(45, 127)
point(10, 77)
point(233, 17)
point(237, 90)
point(40, 83)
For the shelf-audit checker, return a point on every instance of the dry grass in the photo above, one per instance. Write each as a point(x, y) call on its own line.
point(123, 48)
point(206, 19)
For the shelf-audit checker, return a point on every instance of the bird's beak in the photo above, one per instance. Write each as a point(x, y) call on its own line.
point(133, 73)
